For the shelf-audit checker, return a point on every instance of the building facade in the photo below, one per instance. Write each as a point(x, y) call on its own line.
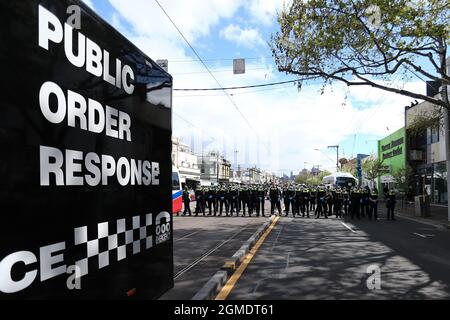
point(392, 151)
point(426, 153)
point(186, 162)
point(214, 168)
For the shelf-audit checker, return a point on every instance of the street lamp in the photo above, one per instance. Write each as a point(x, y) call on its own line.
point(337, 156)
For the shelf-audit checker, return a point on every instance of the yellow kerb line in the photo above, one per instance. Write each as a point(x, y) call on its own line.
point(223, 294)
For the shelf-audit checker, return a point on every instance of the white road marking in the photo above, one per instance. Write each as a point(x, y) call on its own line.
point(345, 225)
point(420, 235)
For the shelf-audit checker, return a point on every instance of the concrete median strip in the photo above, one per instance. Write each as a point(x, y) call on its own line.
point(218, 280)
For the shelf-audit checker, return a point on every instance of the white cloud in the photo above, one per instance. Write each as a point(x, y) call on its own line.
point(242, 37)
point(264, 11)
point(195, 17)
point(290, 124)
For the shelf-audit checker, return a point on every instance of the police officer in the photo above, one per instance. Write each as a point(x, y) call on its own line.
point(373, 203)
point(274, 195)
point(338, 200)
point(298, 203)
point(355, 203)
point(261, 198)
point(291, 198)
point(199, 201)
point(320, 200)
point(186, 202)
point(304, 197)
point(234, 200)
point(346, 200)
point(312, 198)
point(221, 194)
point(286, 201)
point(210, 198)
point(365, 202)
point(243, 197)
point(390, 204)
point(328, 202)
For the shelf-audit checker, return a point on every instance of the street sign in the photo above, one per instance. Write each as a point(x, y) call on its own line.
point(239, 66)
point(85, 172)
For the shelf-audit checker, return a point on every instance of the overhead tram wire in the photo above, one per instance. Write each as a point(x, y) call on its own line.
point(215, 71)
point(220, 59)
point(233, 94)
point(238, 87)
point(206, 67)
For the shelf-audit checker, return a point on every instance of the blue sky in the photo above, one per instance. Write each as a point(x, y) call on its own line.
point(286, 125)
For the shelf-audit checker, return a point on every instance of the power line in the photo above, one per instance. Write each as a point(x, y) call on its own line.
point(235, 88)
point(215, 71)
point(233, 94)
point(204, 64)
point(219, 59)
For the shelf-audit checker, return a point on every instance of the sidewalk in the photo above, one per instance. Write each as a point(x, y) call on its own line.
point(438, 214)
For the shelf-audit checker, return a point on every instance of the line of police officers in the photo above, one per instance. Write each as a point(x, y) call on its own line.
point(298, 199)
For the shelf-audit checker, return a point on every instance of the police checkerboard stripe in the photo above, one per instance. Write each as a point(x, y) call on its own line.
point(93, 245)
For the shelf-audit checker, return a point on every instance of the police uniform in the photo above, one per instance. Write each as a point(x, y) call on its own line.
point(312, 199)
point(274, 195)
point(320, 200)
point(355, 202)
point(338, 200)
point(186, 202)
point(373, 203)
point(390, 204)
point(298, 200)
point(221, 195)
point(210, 198)
point(286, 199)
point(261, 198)
point(345, 201)
point(291, 198)
point(234, 200)
point(199, 201)
point(243, 197)
point(365, 202)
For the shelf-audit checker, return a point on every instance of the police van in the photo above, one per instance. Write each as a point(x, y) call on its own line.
point(85, 178)
point(341, 179)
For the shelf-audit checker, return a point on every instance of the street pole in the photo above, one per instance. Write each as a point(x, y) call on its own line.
point(444, 96)
point(337, 156)
point(217, 167)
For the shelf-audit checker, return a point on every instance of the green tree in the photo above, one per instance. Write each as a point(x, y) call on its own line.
point(349, 167)
point(403, 177)
point(372, 167)
point(368, 43)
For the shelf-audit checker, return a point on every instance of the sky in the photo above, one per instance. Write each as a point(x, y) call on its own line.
point(279, 128)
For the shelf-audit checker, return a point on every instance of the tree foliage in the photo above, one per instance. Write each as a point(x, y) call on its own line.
point(309, 179)
point(365, 42)
point(403, 177)
point(372, 167)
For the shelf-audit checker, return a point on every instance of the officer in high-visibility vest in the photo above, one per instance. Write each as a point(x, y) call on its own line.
point(390, 204)
point(275, 195)
point(373, 202)
point(261, 198)
point(186, 202)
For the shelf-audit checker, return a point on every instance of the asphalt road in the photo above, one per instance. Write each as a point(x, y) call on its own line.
point(325, 259)
point(201, 245)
